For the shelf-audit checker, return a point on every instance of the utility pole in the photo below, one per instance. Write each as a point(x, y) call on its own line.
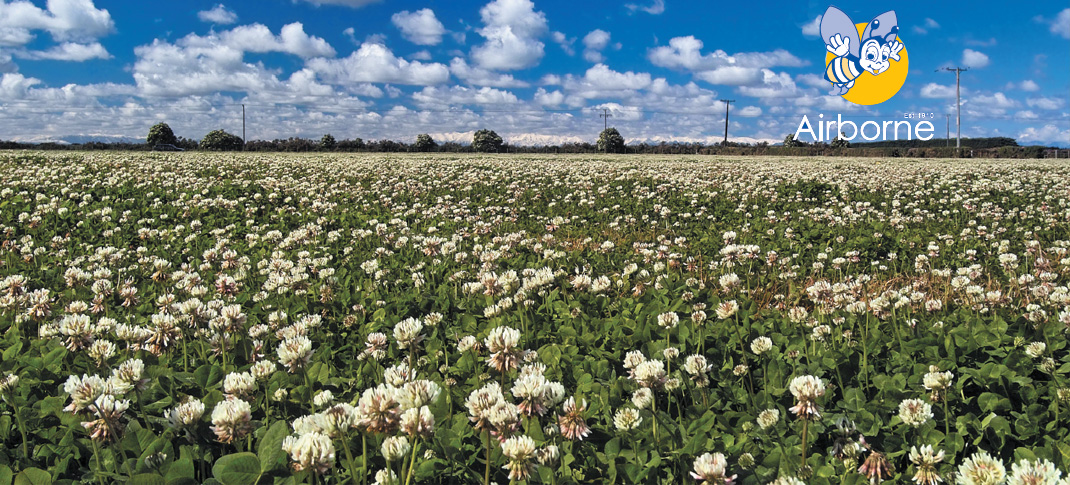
point(605, 116)
point(958, 105)
point(243, 127)
point(727, 103)
point(947, 139)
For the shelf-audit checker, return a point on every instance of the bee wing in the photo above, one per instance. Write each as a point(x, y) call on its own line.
point(835, 22)
point(884, 26)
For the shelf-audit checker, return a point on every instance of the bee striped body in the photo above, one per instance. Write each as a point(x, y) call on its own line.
point(843, 70)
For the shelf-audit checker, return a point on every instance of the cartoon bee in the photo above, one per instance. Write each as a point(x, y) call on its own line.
point(853, 54)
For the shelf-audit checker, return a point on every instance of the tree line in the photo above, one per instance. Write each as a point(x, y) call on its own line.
point(609, 141)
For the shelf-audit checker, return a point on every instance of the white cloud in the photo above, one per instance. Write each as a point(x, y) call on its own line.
point(600, 81)
point(64, 20)
point(593, 43)
point(218, 15)
point(773, 85)
point(1060, 25)
point(343, 3)
point(482, 77)
point(419, 27)
point(1045, 103)
point(461, 95)
point(732, 76)
point(655, 8)
point(812, 28)
point(375, 63)
point(933, 90)
point(196, 65)
point(1026, 115)
point(564, 41)
point(996, 101)
point(749, 112)
point(292, 39)
point(974, 59)
point(511, 29)
point(930, 24)
point(686, 53)
point(549, 98)
point(1049, 133)
point(69, 51)
point(1027, 85)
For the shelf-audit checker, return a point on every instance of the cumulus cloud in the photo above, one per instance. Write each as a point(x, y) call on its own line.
point(812, 28)
point(749, 111)
point(511, 29)
point(974, 59)
point(564, 41)
point(482, 77)
point(68, 51)
point(64, 20)
point(461, 95)
point(593, 43)
point(655, 8)
point(1045, 103)
point(375, 63)
point(732, 76)
point(1028, 85)
point(218, 15)
point(215, 63)
point(600, 81)
point(419, 27)
point(773, 85)
point(549, 98)
point(1060, 25)
point(1049, 133)
point(718, 67)
point(997, 101)
point(933, 90)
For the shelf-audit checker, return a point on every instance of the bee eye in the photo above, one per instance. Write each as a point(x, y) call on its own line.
point(869, 56)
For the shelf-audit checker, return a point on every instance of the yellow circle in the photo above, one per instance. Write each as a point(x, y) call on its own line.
point(870, 89)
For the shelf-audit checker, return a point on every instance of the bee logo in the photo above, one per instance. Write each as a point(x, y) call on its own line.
point(866, 63)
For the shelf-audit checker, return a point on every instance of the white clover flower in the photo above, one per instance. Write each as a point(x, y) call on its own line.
point(807, 389)
point(310, 451)
point(915, 412)
point(727, 309)
point(668, 320)
point(1035, 349)
point(239, 384)
point(627, 419)
point(768, 418)
point(761, 345)
point(231, 420)
point(294, 353)
point(519, 450)
point(395, 448)
point(407, 332)
point(981, 469)
point(323, 398)
point(642, 397)
point(262, 369)
point(1038, 472)
point(710, 469)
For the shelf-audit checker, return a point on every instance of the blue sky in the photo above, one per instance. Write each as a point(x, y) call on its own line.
point(536, 73)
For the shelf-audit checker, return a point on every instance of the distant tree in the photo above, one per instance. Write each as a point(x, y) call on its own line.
point(327, 143)
point(840, 142)
point(219, 140)
point(610, 141)
point(161, 134)
point(351, 145)
point(790, 141)
point(486, 141)
point(424, 143)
